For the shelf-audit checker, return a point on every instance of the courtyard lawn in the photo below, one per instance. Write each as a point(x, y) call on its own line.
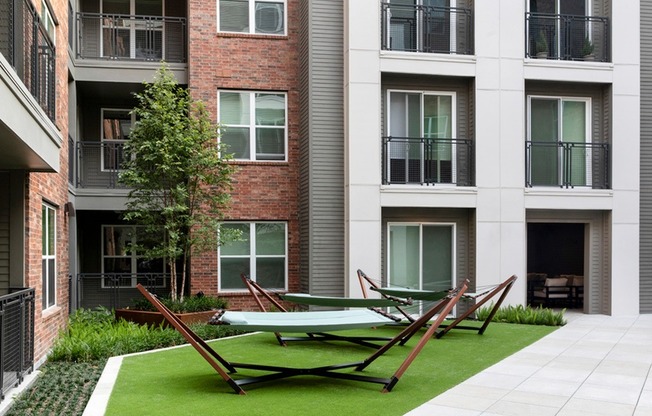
point(180, 382)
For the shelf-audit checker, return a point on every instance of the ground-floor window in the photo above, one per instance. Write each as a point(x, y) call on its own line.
point(49, 255)
point(124, 263)
point(421, 255)
point(260, 252)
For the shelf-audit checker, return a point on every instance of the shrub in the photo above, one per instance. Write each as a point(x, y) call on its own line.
point(520, 314)
point(95, 334)
point(189, 304)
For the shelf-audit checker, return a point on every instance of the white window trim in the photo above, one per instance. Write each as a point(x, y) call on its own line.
point(104, 141)
point(133, 258)
point(420, 225)
point(252, 256)
point(252, 123)
point(252, 18)
point(46, 288)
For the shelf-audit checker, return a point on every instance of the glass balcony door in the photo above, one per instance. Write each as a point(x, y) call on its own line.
point(124, 35)
point(561, 25)
point(421, 25)
point(558, 132)
point(421, 256)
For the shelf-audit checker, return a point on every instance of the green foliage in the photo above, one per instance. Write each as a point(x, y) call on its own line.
point(188, 304)
point(95, 335)
point(520, 314)
point(587, 47)
point(179, 175)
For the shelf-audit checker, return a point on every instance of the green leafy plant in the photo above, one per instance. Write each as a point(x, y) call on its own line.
point(587, 47)
point(185, 305)
point(520, 314)
point(179, 176)
point(541, 44)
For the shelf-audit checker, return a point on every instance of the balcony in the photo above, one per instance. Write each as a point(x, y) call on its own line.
point(425, 161)
point(429, 29)
point(567, 37)
point(131, 37)
point(17, 342)
point(97, 165)
point(567, 165)
point(27, 47)
point(116, 290)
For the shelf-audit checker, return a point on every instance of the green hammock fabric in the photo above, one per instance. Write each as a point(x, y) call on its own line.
point(413, 294)
point(320, 321)
point(306, 299)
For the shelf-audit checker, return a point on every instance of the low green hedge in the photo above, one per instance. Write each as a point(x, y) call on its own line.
point(520, 314)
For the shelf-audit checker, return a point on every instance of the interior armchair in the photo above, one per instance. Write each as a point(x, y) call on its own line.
point(555, 292)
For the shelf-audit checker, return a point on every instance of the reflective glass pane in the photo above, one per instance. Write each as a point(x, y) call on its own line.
point(234, 15)
point(234, 108)
point(270, 239)
point(437, 116)
point(44, 227)
point(117, 240)
point(44, 282)
point(269, 18)
point(404, 255)
point(270, 109)
point(437, 257)
point(149, 7)
point(270, 272)
point(117, 265)
point(230, 270)
point(240, 247)
point(51, 232)
point(149, 266)
point(270, 143)
point(237, 141)
point(116, 6)
point(51, 282)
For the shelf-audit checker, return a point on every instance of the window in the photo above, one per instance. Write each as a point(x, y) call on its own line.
point(255, 124)
point(49, 255)
point(558, 29)
point(421, 25)
point(116, 127)
point(559, 141)
point(47, 21)
point(122, 264)
point(421, 126)
point(421, 256)
point(260, 253)
point(252, 16)
point(132, 29)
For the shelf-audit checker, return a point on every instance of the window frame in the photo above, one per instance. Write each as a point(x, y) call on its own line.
point(252, 126)
point(48, 21)
point(252, 18)
point(48, 253)
point(133, 260)
point(253, 256)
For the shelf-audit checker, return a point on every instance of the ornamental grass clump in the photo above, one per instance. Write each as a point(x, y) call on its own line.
point(519, 314)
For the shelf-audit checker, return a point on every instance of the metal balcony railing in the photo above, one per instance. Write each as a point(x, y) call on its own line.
point(567, 37)
point(117, 290)
point(16, 337)
point(418, 28)
point(131, 37)
point(97, 164)
point(426, 161)
point(26, 45)
point(567, 164)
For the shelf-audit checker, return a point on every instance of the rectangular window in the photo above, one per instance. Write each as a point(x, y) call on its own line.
point(421, 256)
point(260, 253)
point(421, 126)
point(255, 124)
point(559, 141)
point(48, 255)
point(122, 264)
point(116, 127)
point(265, 17)
point(47, 21)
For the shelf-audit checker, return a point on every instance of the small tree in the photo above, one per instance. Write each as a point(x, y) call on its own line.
point(178, 173)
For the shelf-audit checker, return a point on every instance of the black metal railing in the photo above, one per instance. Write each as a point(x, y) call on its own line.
point(567, 37)
point(98, 164)
point(408, 160)
point(26, 45)
point(567, 164)
point(418, 28)
point(131, 37)
point(16, 337)
point(117, 290)
point(71, 161)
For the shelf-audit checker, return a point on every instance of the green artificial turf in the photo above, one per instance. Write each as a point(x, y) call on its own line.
point(180, 382)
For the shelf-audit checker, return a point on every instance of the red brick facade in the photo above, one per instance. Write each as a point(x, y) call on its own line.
point(51, 188)
point(263, 191)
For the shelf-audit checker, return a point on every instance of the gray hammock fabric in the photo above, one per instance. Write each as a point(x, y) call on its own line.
point(306, 299)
